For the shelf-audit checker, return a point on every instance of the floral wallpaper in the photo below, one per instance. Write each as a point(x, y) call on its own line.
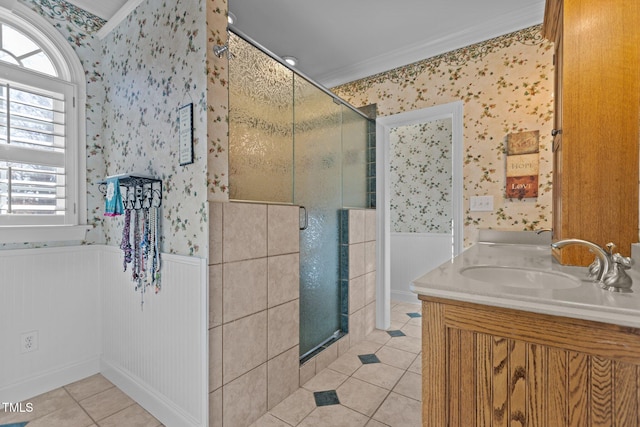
point(420, 177)
point(153, 63)
point(158, 59)
point(217, 103)
point(506, 84)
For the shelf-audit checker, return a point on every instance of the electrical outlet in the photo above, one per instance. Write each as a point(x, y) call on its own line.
point(29, 342)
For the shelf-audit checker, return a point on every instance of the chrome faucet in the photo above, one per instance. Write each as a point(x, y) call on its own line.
point(543, 230)
point(608, 268)
point(600, 267)
point(618, 280)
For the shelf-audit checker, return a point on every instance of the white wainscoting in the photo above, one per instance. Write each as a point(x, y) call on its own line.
point(56, 292)
point(411, 256)
point(89, 320)
point(158, 354)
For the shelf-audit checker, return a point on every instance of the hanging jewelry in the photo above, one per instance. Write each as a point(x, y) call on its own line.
point(125, 245)
point(156, 258)
point(136, 248)
point(141, 246)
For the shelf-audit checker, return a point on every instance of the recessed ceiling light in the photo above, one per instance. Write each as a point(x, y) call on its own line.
point(231, 18)
point(290, 60)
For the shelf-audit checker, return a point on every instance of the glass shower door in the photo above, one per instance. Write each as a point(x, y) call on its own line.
point(260, 126)
point(318, 187)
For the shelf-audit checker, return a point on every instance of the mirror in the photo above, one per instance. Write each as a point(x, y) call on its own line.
point(419, 198)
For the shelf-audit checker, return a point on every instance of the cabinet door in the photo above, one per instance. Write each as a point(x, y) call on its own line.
point(598, 110)
point(484, 366)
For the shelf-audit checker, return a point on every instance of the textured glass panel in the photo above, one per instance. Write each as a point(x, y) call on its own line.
point(354, 159)
point(420, 177)
point(260, 126)
point(318, 187)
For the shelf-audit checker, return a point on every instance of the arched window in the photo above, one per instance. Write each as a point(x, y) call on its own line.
point(41, 148)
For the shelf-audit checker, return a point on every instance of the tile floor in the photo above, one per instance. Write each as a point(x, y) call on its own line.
point(91, 402)
point(376, 383)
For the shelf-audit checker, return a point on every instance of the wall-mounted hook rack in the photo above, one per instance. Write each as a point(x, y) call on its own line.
point(138, 192)
point(141, 200)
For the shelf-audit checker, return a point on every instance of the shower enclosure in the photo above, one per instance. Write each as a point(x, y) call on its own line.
point(292, 142)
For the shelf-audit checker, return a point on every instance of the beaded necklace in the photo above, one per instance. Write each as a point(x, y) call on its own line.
point(125, 245)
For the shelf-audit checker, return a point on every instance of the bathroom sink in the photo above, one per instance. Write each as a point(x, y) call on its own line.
point(520, 277)
point(519, 247)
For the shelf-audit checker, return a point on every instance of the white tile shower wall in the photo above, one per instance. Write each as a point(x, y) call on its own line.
point(156, 352)
point(56, 292)
point(253, 310)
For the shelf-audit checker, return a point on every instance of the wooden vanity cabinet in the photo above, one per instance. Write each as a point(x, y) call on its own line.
point(597, 119)
point(488, 366)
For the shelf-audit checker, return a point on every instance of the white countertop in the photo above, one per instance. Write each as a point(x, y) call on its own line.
point(586, 301)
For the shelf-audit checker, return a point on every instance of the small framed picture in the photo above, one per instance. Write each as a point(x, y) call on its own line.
point(185, 119)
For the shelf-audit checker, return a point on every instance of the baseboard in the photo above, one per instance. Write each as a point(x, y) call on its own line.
point(155, 403)
point(33, 386)
point(404, 296)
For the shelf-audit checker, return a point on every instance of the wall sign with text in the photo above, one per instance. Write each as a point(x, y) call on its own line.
point(523, 158)
point(185, 118)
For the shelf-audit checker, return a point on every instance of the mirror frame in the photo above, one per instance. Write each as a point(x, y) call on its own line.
point(454, 111)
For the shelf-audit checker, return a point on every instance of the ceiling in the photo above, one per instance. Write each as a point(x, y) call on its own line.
point(337, 41)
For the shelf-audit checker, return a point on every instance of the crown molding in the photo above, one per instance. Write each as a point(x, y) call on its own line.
point(500, 25)
point(118, 17)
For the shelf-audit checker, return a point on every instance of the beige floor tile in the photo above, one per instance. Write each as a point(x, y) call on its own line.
point(399, 317)
point(361, 396)
point(410, 385)
point(346, 364)
point(15, 417)
point(412, 331)
point(133, 416)
point(415, 321)
point(374, 423)
point(295, 407)
point(365, 347)
point(378, 336)
point(399, 411)
point(106, 403)
point(379, 374)
point(328, 379)
point(88, 387)
point(395, 326)
point(69, 416)
point(416, 366)
point(42, 405)
point(394, 357)
point(334, 416)
point(269, 420)
point(405, 308)
point(410, 344)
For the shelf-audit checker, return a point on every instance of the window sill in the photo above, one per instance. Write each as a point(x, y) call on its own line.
point(42, 233)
